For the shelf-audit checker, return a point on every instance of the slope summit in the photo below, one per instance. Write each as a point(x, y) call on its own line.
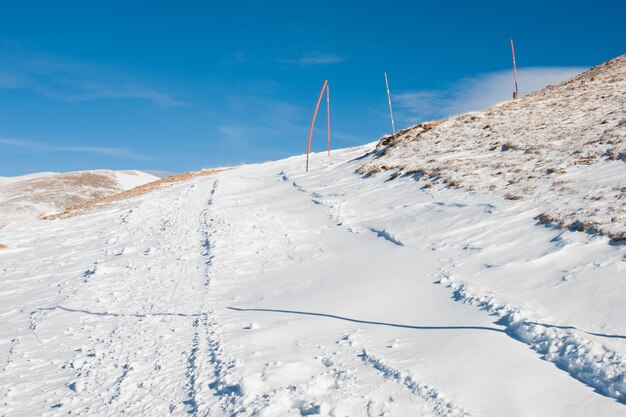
point(563, 147)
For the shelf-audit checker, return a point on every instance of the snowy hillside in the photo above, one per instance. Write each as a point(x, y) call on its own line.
point(265, 290)
point(29, 196)
point(563, 147)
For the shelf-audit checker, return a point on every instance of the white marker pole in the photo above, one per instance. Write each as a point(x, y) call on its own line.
point(393, 127)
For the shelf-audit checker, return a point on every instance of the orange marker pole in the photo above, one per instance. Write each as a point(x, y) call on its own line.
point(317, 106)
point(515, 95)
point(328, 115)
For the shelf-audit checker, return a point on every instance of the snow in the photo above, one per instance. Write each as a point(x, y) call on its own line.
point(132, 179)
point(265, 290)
point(393, 279)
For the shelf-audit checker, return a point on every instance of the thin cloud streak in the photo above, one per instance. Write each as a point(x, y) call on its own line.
point(252, 122)
point(313, 59)
point(8, 80)
point(71, 80)
point(475, 93)
point(89, 90)
point(42, 147)
point(348, 138)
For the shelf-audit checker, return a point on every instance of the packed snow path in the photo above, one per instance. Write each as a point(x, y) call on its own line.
point(267, 291)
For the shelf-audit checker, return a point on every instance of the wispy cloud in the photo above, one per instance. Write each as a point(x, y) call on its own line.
point(312, 59)
point(69, 79)
point(43, 147)
point(259, 127)
point(8, 80)
point(87, 90)
point(475, 93)
point(349, 139)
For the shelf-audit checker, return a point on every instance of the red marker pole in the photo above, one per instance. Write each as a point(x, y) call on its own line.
point(317, 106)
point(515, 94)
point(328, 115)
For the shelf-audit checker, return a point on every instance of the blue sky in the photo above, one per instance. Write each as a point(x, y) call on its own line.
point(178, 86)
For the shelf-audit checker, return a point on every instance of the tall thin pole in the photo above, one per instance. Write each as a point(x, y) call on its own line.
point(393, 126)
point(317, 106)
point(328, 115)
point(516, 93)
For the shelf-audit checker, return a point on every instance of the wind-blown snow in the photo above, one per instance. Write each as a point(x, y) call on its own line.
point(268, 291)
point(264, 290)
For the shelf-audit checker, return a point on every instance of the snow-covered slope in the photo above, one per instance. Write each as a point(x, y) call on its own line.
point(563, 147)
point(265, 290)
point(268, 291)
point(29, 196)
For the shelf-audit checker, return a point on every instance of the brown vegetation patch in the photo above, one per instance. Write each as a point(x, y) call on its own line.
point(2, 246)
point(585, 160)
point(410, 134)
point(579, 226)
point(125, 195)
point(556, 171)
point(61, 190)
point(89, 178)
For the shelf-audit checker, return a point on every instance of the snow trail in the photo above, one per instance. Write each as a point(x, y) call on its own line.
point(285, 214)
point(137, 323)
point(265, 291)
point(440, 406)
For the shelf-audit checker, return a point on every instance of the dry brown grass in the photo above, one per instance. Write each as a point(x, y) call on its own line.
point(62, 190)
point(578, 225)
point(125, 195)
point(413, 133)
point(2, 246)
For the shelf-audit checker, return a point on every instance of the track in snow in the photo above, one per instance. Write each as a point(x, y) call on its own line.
point(589, 362)
point(335, 310)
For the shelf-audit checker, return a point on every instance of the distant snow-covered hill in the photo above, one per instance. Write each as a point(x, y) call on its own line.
point(32, 195)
